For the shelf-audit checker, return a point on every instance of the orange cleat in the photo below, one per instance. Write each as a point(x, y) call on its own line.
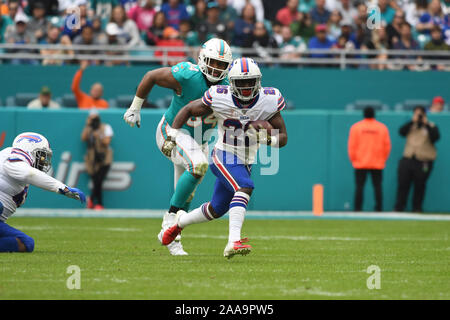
point(237, 247)
point(89, 203)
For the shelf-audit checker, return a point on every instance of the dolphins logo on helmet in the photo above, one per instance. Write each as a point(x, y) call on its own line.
point(214, 59)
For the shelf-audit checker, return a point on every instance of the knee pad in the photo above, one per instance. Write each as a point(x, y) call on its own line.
point(28, 242)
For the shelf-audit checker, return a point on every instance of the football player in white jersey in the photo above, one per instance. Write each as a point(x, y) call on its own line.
point(25, 164)
point(188, 82)
point(238, 108)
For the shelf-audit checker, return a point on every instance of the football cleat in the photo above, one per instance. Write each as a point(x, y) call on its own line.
point(176, 249)
point(169, 220)
point(89, 203)
point(170, 234)
point(237, 247)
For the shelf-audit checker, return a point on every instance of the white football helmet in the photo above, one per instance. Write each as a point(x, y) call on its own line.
point(215, 49)
point(38, 147)
point(245, 79)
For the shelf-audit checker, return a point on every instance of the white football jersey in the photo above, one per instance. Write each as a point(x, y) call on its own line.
point(12, 191)
point(16, 175)
point(234, 119)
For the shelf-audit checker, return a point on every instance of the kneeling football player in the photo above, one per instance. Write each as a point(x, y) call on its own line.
point(25, 163)
point(244, 111)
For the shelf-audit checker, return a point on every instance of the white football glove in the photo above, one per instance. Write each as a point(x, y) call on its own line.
point(132, 117)
point(170, 142)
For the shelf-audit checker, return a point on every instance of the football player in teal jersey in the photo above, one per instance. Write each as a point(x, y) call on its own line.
point(190, 156)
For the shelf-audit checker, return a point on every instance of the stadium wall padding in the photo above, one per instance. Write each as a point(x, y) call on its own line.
point(316, 153)
point(303, 88)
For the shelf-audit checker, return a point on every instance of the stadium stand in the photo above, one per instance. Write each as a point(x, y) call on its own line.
point(410, 104)
point(345, 27)
point(123, 101)
point(21, 99)
point(67, 100)
point(362, 104)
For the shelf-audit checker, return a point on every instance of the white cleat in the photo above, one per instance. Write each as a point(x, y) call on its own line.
point(175, 248)
point(169, 220)
point(237, 247)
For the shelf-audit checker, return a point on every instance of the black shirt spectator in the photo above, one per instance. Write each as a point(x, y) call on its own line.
point(50, 6)
point(393, 29)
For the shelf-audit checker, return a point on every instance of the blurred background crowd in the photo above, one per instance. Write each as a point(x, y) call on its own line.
point(289, 27)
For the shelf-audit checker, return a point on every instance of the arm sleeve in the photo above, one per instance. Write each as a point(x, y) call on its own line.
point(405, 129)
point(281, 104)
point(433, 132)
point(387, 144)
point(207, 98)
point(79, 95)
point(21, 171)
point(108, 131)
point(351, 145)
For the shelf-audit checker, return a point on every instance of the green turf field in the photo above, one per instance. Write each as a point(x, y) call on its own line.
point(292, 259)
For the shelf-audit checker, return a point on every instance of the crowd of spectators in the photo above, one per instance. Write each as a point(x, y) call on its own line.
point(292, 26)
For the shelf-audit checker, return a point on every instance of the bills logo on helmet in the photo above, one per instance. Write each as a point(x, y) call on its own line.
point(30, 138)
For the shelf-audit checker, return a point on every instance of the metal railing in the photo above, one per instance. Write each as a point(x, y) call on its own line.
point(340, 58)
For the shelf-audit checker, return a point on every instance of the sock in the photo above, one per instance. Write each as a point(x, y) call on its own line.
point(198, 215)
point(238, 207)
point(186, 206)
point(9, 244)
point(173, 209)
point(185, 186)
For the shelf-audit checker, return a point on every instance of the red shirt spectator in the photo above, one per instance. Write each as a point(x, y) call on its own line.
point(288, 14)
point(171, 39)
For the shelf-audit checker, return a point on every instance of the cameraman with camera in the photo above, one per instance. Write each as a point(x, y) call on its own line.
point(99, 156)
point(418, 156)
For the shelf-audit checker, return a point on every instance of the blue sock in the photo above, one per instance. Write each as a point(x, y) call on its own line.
point(9, 244)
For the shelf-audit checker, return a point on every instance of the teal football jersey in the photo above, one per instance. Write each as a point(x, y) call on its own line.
point(193, 86)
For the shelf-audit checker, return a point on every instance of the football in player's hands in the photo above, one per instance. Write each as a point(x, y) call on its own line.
point(261, 124)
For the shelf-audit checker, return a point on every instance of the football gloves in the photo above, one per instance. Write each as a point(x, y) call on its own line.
point(170, 142)
point(133, 117)
point(261, 136)
point(73, 193)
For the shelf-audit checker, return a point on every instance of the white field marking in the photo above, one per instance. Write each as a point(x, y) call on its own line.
point(269, 238)
point(102, 292)
point(316, 292)
point(143, 213)
point(119, 280)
